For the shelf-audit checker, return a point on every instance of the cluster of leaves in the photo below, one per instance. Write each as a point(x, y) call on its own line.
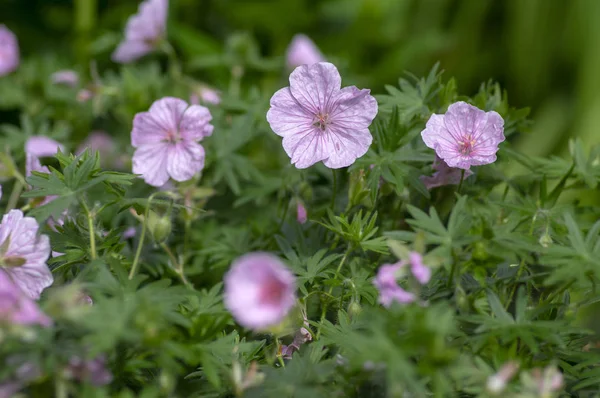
point(514, 252)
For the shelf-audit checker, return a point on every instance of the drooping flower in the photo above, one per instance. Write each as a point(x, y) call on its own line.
point(205, 95)
point(389, 290)
point(464, 136)
point(23, 253)
point(166, 141)
point(40, 146)
point(443, 175)
point(302, 336)
point(67, 77)
point(93, 371)
point(259, 290)
point(302, 51)
point(547, 381)
point(420, 271)
point(18, 308)
point(143, 32)
point(319, 120)
point(84, 95)
point(498, 381)
point(9, 51)
point(301, 214)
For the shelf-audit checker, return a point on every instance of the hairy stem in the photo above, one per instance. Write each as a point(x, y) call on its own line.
point(138, 251)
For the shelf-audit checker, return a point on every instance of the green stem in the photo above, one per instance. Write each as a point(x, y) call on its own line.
point(90, 219)
point(462, 178)
point(334, 189)
point(278, 354)
point(138, 251)
point(337, 273)
point(14, 195)
point(176, 265)
point(521, 266)
point(452, 269)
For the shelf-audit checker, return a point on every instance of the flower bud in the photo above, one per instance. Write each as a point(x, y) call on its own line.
point(159, 226)
point(354, 308)
point(545, 240)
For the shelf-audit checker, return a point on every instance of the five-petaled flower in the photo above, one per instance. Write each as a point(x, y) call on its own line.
point(259, 290)
point(387, 284)
point(302, 51)
point(319, 120)
point(9, 51)
point(166, 138)
point(23, 253)
point(143, 32)
point(464, 136)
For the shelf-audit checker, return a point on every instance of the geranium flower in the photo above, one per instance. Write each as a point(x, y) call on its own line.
point(302, 51)
point(166, 138)
point(420, 271)
point(143, 32)
point(320, 121)
point(205, 95)
point(443, 175)
point(67, 77)
point(18, 308)
point(259, 290)
point(387, 284)
point(40, 146)
point(464, 136)
point(9, 51)
point(93, 371)
point(301, 214)
point(23, 253)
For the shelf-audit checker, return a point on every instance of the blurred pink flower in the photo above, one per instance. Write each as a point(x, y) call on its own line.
point(9, 51)
point(301, 214)
point(548, 380)
point(40, 146)
point(206, 95)
point(464, 136)
point(320, 121)
point(23, 253)
point(166, 141)
point(389, 290)
point(420, 271)
point(32, 163)
point(84, 95)
point(259, 290)
point(103, 143)
point(443, 175)
point(67, 77)
point(302, 51)
point(302, 336)
point(143, 32)
point(16, 307)
point(93, 371)
point(498, 381)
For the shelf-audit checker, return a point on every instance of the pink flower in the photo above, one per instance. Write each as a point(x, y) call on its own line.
point(302, 336)
point(206, 95)
point(67, 77)
point(420, 271)
point(144, 31)
point(9, 51)
point(386, 283)
point(465, 136)
point(320, 121)
point(301, 214)
point(84, 95)
point(104, 144)
point(443, 175)
point(18, 308)
point(166, 138)
point(498, 381)
point(40, 146)
point(93, 371)
point(259, 290)
point(302, 51)
point(23, 253)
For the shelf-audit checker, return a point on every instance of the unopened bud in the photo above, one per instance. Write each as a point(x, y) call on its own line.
point(545, 240)
point(354, 308)
point(159, 226)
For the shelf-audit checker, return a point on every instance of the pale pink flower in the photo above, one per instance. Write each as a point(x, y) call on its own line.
point(166, 138)
point(206, 95)
point(40, 146)
point(301, 214)
point(464, 136)
point(93, 371)
point(420, 271)
point(319, 120)
point(84, 95)
point(9, 51)
point(18, 308)
point(259, 290)
point(32, 163)
point(443, 175)
point(143, 32)
point(107, 147)
point(498, 381)
point(302, 51)
point(389, 290)
point(67, 77)
point(548, 380)
point(23, 253)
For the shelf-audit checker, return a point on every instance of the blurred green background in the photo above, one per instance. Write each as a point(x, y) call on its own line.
point(546, 53)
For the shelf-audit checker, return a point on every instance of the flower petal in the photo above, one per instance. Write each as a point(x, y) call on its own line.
point(353, 108)
point(194, 123)
point(308, 148)
point(130, 50)
point(184, 160)
point(151, 162)
point(286, 116)
point(345, 146)
point(162, 118)
point(313, 86)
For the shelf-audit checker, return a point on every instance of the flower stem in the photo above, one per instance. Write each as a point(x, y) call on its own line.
point(334, 189)
point(138, 251)
point(176, 265)
point(278, 354)
point(462, 178)
point(337, 273)
point(14, 195)
point(90, 219)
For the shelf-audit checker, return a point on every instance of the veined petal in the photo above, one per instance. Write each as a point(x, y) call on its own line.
point(314, 86)
point(130, 50)
point(184, 160)
point(345, 146)
point(150, 161)
point(308, 148)
point(286, 116)
point(353, 108)
point(194, 124)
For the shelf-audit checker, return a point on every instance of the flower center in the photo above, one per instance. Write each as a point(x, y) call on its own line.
point(172, 137)
point(321, 121)
point(272, 292)
point(466, 146)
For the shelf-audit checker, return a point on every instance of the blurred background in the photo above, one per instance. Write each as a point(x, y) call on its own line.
point(545, 53)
